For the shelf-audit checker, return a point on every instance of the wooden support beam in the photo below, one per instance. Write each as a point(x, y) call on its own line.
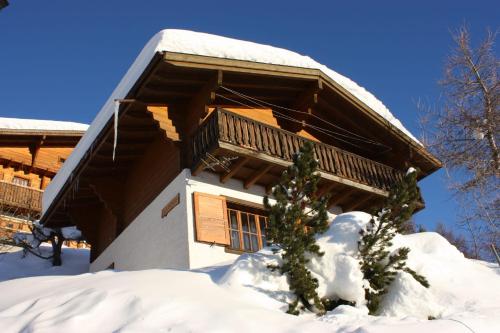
point(198, 106)
point(87, 219)
point(34, 148)
point(237, 166)
point(257, 175)
point(308, 98)
point(336, 199)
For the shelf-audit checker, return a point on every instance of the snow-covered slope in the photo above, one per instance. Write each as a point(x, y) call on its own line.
point(189, 42)
point(247, 297)
point(40, 125)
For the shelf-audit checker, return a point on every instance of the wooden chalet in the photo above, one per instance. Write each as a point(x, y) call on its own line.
point(201, 139)
point(31, 153)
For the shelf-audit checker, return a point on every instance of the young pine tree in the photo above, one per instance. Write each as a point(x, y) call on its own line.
point(379, 267)
point(294, 221)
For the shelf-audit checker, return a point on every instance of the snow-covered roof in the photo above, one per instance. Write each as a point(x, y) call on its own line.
point(196, 43)
point(13, 124)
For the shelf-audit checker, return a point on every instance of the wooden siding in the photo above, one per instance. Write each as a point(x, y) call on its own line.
point(149, 176)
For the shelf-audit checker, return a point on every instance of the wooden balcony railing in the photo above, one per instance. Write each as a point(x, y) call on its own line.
point(17, 196)
point(228, 127)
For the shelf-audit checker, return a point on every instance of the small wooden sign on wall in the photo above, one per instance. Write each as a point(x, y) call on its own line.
point(171, 205)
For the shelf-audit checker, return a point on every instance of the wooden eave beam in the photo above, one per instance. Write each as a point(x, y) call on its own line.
point(231, 65)
point(236, 167)
point(257, 175)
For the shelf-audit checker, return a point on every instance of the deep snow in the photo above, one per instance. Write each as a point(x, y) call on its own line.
point(40, 125)
point(246, 297)
point(190, 42)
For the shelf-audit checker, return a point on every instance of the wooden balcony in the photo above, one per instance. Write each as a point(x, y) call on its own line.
point(257, 153)
point(20, 199)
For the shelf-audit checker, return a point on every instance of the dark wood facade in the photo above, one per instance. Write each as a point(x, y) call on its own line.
point(167, 123)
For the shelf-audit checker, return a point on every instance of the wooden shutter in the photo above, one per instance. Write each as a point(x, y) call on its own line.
point(210, 214)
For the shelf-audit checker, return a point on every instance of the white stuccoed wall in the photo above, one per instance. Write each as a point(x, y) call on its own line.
point(151, 241)
point(154, 242)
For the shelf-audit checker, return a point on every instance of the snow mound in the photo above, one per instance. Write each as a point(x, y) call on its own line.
point(190, 42)
point(14, 266)
point(40, 125)
point(449, 273)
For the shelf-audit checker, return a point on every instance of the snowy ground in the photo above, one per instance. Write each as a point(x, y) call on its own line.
point(245, 297)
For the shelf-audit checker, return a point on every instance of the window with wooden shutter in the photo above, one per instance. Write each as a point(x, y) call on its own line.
point(211, 219)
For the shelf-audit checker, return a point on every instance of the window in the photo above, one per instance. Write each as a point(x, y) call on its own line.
point(20, 181)
point(247, 229)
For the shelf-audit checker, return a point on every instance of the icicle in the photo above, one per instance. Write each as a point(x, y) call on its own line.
point(117, 107)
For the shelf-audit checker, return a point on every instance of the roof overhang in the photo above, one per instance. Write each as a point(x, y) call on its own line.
point(212, 64)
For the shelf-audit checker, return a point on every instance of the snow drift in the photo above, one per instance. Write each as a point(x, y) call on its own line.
point(246, 297)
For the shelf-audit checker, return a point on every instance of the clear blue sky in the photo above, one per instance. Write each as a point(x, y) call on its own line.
point(61, 59)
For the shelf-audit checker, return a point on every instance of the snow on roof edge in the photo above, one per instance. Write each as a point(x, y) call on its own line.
point(189, 42)
point(20, 124)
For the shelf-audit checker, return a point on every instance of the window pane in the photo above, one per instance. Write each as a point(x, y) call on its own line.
point(255, 242)
point(234, 220)
point(253, 226)
point(235, 240)
point(246, 242)
point(264, 240)
point(244, 221)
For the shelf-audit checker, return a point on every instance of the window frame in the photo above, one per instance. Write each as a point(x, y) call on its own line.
point(239, 211)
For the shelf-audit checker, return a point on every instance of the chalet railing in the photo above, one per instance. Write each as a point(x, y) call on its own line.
point(228, 127)
point(18, 196)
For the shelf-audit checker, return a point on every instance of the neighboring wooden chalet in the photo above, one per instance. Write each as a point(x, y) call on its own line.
point(206, 125)
point(31, 153)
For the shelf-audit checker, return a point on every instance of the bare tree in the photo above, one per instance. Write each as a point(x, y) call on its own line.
point(40, 234)
point(465, 136)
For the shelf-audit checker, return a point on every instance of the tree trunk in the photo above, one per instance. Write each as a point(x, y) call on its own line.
point(57, 243)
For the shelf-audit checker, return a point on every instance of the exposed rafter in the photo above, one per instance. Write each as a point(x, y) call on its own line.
point(235, 168)
point(257, 175)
